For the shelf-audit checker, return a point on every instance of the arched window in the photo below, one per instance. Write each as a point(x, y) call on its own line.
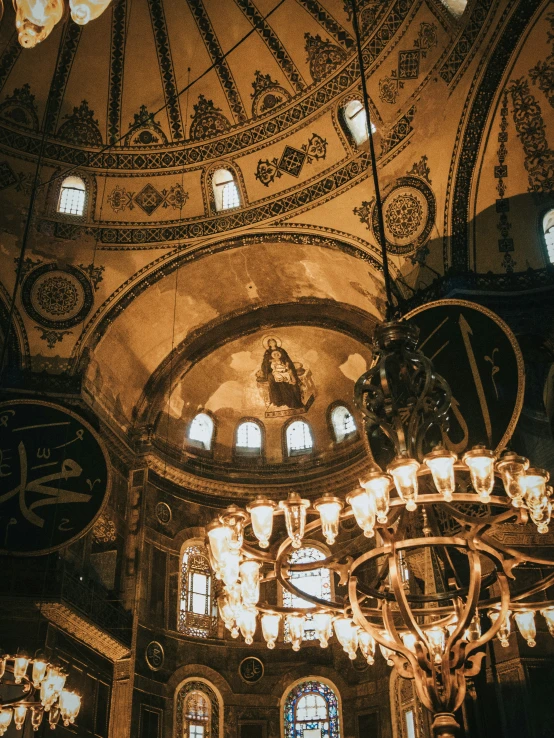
point(356, 121)
point(316, 582)
point(72, 196)
point(311, 710)
point(456, 7)
point(201, 431)
point(226, 191)
point(198, 613)
point(199, 710)
point(299, 438)
point(249, 439)
point(343, 423)
point(196, 715)
point(548, 228)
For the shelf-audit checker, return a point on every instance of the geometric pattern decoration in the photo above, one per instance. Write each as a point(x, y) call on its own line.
point(408, 63)
point(148, 199)
point(117, 56)
point(292, 160)
point(461, 53)
point(323, 56)
point(20, 108)
point(80, 128)
point(7, 177)
point(145, 130)
point(55, 297)
point(326, 20)
point(207, 120)
point(69, 44)
point(268, 94)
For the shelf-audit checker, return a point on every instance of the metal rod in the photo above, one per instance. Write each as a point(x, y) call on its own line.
point(378, 201)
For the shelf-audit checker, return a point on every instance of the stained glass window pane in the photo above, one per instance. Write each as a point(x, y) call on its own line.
point(196, 731)
point(316, 583)
point(311, 711)
point(410, 724)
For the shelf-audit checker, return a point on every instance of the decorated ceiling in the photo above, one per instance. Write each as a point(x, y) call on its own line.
point(139, 303)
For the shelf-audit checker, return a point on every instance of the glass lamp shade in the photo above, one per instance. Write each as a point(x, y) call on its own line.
point(247, 620)
point(404, 472)
point(377, 484)
point(481, 470)
point(296, 630)
point(533, 486)
point(51, 686)
point(20, 664)
point(542, 517)
point(441, 463)
point(473, 631)
point(295, 517)
point(363, 507)
point(409, 641)
point(235, 518)
point(525, 621)
point(347, 634)
point(261, 515)
point(548, 615)
point(436, 642)
point(19, 715)
point(6, 715)
point(250, 582)
point(270, 627)
point(219, 539)
point(35, 20)
point(226, 612)
point(387, 653)
point(230, 569)
point(511, 468)
point(70, 704)
point(36, 717)
point(83, 11)
point(329, 509)
point(54, 716)
point(367, 646)
point(323, 626)
point(39, 672)
point(504, 632)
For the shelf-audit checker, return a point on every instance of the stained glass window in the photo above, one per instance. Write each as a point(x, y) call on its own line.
point(316, 583)
point(201, 430)
point(72, 196)
point(311, 711)
point(198, 615)
point(343, 423)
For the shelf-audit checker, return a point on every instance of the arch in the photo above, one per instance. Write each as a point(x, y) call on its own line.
point(298, 438)
point(249, 437)
point(72, 197)
point(316, 582)
point(354, 121)
point(196, 685)
point(201, 431)
point(292, 724)
point(197, 614)
point(548, 234)
point(342, 422)
point(225, 190)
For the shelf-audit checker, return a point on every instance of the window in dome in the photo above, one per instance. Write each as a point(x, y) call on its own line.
point(456, 7)
point(299, 438)
point(198, 614)
point(311, 710)
point(201, 431)
point(343, 423)
point(548, 229)
point(72, 196)
point(249, 439)
point(316, 582)
point(226, 191)
point(356, 121)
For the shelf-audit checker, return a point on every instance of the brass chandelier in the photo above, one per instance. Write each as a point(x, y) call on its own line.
point(33, 687)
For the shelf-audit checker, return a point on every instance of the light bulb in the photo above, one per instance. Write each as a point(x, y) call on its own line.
point(347, 634)
point(270, 627)
point(261, 515)
point(296, 630)
point(54, 716)
point(20, 664)
point(377, 484)
point(504, 632)
point(51, 686)
point(230, 569)
point(250, 582)
point(404, 472)
point(35, 20)
point(323, 626)
point(83, 11)
point(542, 517)
point(363, 507)
point(409, 641)
point(39, 672)
point(37, 714)
point(235, 518)
point(69, 704)
point(19, 715)
point(436, 642)
point(367, 646)
point(226, 612)
point(533, 487)
point(329, 509)
point(481, 470)
point(387, 653)
point(441, 463)
point(511, 468)
point(6, 715)
point(247, 620)
point(548, 615)
point(295, 517)
point(219, 540)
point(525, 620)
point(473, 631)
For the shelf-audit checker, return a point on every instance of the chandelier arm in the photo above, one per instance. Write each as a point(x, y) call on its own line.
point(514, 553)
point(472, 600)
point(400, 595)
point(495, 627)
point(286, 584)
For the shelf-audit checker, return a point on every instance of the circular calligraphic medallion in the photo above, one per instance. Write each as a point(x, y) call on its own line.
point(54, 477)
point(251, 669)
point(409, 210)
point(55, 297)
point(479, 356)
point(154, 655)
point(163, 513)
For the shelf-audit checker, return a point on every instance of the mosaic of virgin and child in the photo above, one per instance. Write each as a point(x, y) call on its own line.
point(287, 386)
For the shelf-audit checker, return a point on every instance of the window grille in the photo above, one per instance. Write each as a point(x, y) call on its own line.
point(72, 196)
point(299, 438)
point(226, 192)
point(249, 437)
point(198, 614)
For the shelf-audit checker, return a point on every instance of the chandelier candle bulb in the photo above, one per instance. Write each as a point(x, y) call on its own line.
point(511, 468)
point(404, 472)
point(39, 672)
point(548, 615)
point(363, 507)
point(367, 646)
point(525, 621)
point(347, 634)
point(5, 719)
point(83, 11)
point(247, 620)
point(436, 641)
point(261, 515)
point(19, 715)
point(296, 630)
point(250, 582)
point(543, 517)
point(409, 641)
point(226, 612)
point(270, 627)
point(70, 704)
point(54, 716)
point(20, 664)
point(295, 517)
point(441, 463)
point(323, 626)
point(377, 484)
point(329, 509)
point(481, 470)
point(235, 518)
point(230, 569)
point(505, 629)
point(533, 487)
point(36, 717)
point(219, 539)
